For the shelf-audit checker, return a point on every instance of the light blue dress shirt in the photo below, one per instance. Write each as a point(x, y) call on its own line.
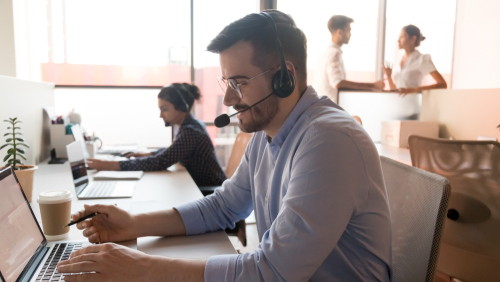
point(319, 198)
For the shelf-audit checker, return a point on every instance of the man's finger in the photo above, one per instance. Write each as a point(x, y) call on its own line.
point(84, 224)
point(87, 250)
point(82, 258)
point(95, 277)
point(86, 266)
point(89, 231)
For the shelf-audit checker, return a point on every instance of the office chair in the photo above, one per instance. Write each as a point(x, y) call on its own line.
point(237, 153)
point(470, 248)
point(417, 202)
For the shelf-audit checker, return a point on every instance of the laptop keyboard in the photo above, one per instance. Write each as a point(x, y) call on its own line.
point(101, 189)
point(59, 253)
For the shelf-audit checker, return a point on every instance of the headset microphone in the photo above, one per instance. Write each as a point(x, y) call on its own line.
point(223, 119)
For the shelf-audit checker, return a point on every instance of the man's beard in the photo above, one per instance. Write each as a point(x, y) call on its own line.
point(261, 114)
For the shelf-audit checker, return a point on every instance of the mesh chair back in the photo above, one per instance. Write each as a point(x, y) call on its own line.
point(470, 248)
point(417, 201)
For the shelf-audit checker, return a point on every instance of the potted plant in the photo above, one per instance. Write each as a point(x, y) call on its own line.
point(15, 155)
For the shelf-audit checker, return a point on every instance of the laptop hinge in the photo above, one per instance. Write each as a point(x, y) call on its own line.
point(34, 266)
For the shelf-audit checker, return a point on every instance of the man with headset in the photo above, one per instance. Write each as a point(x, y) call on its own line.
point(310, 172)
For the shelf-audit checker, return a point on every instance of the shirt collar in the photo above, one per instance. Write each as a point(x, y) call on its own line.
point(307, 99)
point(188, 120)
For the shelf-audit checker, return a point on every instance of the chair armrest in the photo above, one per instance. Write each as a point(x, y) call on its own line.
point(208, 190)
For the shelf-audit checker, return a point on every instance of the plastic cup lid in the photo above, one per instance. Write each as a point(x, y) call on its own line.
point(54, 197)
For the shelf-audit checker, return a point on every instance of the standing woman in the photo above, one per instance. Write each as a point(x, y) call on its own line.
point(409, 73)
point(192, 146)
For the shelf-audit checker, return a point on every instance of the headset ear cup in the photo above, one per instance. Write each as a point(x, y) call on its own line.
point(285, 88)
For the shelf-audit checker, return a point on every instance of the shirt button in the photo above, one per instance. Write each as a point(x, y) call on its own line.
point(267, 200)
point(275, 162)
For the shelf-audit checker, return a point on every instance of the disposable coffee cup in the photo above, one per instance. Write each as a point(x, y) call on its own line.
point(55, 207)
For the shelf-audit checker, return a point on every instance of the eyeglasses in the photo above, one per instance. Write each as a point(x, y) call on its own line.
point(224, 83)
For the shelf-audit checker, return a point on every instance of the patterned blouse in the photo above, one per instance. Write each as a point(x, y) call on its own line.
point(192, 148)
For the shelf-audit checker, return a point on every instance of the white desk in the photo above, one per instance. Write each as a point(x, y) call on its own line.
point(155, 191)
point(399, 154)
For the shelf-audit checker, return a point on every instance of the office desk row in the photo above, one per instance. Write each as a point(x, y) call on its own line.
point(155, 191)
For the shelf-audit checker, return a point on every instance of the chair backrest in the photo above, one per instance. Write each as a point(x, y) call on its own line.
point(470, 248)
point(417, 202)
point(237, 152)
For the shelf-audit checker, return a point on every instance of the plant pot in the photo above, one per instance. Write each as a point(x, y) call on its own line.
point(25, 176)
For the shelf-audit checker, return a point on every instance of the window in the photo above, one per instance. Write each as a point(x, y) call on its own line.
point(436, 21)
point(312, 17)
point(143, 43)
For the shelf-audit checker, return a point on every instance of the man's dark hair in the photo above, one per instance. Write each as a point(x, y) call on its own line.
point(338, 22)
point(254, 28)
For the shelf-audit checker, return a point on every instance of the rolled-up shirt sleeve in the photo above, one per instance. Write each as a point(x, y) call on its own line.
point(333, 69)
point(323, 194)
point(184, 145)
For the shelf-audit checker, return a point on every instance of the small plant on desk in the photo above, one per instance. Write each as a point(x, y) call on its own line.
point(15, 153)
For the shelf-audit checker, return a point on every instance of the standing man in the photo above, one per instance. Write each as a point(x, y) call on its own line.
point(330, 74)
point(310, 172)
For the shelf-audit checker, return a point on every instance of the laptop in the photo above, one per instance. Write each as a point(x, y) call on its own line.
point(86, 189)
point(25, 254)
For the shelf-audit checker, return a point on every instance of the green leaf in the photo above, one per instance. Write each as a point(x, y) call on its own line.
point(6, 157)
point(22, 156)
point(17, 122)
point(19, 139)
point(7, 134)
point(22, 151)
point(12, 161)
point(9, 121)
point(13, 119)
point(3, 146)
point(9, 139)
point(11, 151)
point(23, 144)
point(16, 128)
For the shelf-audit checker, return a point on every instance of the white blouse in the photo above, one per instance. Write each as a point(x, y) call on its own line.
point(330, 71)
point(415, 68)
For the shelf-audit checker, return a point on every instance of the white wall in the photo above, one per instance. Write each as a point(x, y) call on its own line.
point(117, 115)
point(476, 62)
point(7, 45)
point(25, 100)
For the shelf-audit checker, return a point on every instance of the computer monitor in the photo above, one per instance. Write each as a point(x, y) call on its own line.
point(375, 107)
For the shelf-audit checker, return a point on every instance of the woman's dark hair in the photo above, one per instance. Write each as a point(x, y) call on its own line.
point(412, 30)
point(189, 92)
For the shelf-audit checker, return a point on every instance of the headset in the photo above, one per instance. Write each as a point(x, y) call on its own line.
point(283, 80)
point(185, 106)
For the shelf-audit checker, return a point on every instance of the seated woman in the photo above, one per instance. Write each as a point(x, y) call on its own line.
point(192, 146)
point(409, 73)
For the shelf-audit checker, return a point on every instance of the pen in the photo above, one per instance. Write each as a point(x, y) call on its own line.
point(83, 218)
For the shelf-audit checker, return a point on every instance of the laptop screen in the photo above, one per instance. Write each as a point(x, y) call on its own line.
point(21, 236)
point(79, 173)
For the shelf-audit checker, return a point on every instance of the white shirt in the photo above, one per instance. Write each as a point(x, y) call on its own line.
point(415, 68)
point(330, 71)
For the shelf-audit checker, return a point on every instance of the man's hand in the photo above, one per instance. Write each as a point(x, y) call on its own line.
point(111, 262)
point(111, 225)
point(405, 91)
point(103, 165)
point(138, 155)
point(379, 85)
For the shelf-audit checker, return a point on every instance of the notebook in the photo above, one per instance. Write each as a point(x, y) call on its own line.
point(118, 175)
